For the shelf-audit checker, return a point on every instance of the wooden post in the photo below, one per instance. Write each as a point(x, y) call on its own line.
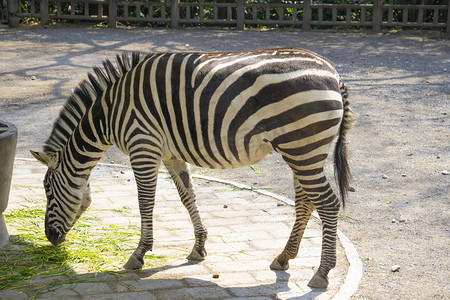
point(222, 12)
point(44, 12)
point(306, 22)
point(175, 14)
point(112, 14)
point(13, 10)
point(377, 15)
point(240, 15)
point(448, 17)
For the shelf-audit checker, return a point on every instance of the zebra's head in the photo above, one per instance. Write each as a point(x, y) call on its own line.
point(67, 198)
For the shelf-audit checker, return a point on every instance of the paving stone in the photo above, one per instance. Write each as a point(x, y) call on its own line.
point(149, 285)
point(204, 292)
point(65, 292)
point(90, 288)
point(224, 279)
point(224, 222)
point(181, 268)
point(136, 296)
point(13, 294)
point(229, 247)
point(266, 289)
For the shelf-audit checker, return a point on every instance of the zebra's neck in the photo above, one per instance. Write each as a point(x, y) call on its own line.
point(87, 144)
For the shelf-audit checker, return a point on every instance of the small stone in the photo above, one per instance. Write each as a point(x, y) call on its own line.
point(409, 154)
point(403, 175)
point(215, 276)
point(280, 204)
point(33, 77)
point(394, 220)
point(384, 176)
point(445, 172)
point(351, 189)
point(395, 268)
point(225, 206)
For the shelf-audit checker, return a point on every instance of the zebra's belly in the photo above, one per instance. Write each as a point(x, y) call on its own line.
point(243, 155)
point(257, 152)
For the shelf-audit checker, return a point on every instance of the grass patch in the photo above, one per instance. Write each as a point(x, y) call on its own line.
point(89, 248)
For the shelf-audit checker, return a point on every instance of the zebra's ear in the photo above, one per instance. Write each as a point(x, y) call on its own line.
point(50, 160)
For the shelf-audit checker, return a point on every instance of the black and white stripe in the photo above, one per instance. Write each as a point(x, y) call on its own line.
point(215, 110)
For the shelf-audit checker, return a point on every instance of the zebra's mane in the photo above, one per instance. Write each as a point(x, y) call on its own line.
point(84, 96)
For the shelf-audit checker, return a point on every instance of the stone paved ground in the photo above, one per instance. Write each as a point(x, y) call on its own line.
point(246, 231)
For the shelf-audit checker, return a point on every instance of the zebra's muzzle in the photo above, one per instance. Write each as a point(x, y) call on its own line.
point(54, 235)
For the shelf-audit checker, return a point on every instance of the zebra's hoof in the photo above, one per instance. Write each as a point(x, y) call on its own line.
point(276, 265)
point(199, 254)
point(134, 263)
point(318, 281)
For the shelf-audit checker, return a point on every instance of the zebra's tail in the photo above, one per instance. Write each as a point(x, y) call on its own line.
point(341, 166)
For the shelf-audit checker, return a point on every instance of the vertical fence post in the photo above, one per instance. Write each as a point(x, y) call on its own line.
point(448, 17)
point(240, 18)
point(13, 10)
point(377, 15)
point(175, 14)
point(44, 12)
point(112, 14)
point(306, 16)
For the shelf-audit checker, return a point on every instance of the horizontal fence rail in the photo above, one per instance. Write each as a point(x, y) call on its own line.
point(306, 14)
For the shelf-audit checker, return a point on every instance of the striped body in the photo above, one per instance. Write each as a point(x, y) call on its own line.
point(222, 110)
point(214, 113)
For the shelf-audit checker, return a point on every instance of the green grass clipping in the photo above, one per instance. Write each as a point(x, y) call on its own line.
point(32, 265)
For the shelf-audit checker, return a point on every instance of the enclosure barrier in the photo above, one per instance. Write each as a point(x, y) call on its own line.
point(306, 14)
point(8, 142)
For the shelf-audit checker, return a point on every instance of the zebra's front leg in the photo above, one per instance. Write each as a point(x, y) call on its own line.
point(303, 210)
point(179, 171)
point(146, 175)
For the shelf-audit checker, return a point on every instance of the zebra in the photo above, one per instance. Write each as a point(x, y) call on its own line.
point(214, 110)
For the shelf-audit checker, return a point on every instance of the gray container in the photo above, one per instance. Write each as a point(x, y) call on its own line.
point(8, 142)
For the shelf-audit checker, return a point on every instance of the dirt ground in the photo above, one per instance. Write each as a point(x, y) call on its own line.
point(399, 87)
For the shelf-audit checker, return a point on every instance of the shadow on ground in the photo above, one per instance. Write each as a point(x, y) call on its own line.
point(35, 271)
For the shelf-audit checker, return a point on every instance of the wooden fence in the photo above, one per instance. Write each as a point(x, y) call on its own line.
point(306, 14)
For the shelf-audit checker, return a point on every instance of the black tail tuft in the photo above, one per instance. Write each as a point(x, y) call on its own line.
point(341, 167)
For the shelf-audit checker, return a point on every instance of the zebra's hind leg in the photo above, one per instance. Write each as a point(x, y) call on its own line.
point(328, 208)
point(320, 193)
point(314, 191)
point(179, 171)
point(303, 210)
